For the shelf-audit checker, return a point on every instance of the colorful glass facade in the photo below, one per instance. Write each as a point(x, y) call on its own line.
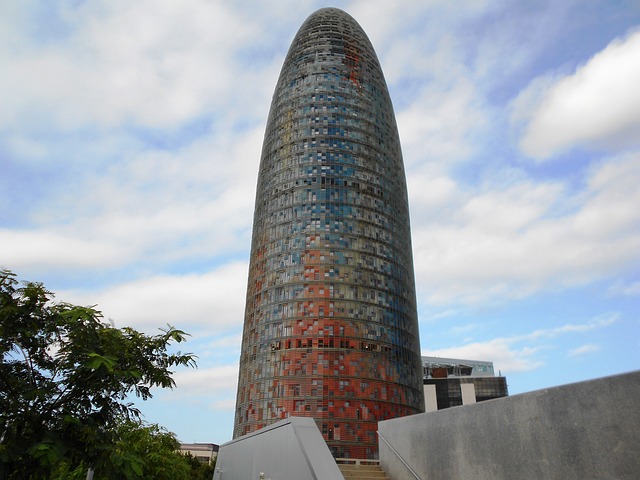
point(330, 328)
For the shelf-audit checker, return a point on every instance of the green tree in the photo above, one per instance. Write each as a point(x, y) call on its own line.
point(146, 452)
point(66, 377)
point(141, 451)
point(200, 470)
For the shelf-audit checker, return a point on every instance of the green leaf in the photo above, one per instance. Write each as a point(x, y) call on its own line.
point(66, 377)
point(96, 361)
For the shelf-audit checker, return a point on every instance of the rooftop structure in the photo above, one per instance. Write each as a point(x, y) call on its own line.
point(439, 367)
point(450, 382)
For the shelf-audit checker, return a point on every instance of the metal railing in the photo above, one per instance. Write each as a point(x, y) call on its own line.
point(399, 457)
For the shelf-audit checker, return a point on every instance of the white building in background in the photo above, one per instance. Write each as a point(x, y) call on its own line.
point(204, 452)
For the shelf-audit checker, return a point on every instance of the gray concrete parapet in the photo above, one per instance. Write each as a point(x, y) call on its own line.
point(587, 430)
point(291, 449)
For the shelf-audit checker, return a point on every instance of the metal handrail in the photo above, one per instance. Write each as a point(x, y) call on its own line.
point(399, 457)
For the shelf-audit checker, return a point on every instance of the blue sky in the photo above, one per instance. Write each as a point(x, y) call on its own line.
point(130, 137)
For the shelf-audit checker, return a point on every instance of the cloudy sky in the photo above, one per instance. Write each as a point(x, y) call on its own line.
point(130, 135)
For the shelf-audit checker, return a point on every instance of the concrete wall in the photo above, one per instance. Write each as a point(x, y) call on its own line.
point(588, 430)
point(292, 449)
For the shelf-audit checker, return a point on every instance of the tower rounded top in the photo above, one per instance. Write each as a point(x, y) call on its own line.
point(331, 41)
point(332, 14)
point(330, 10)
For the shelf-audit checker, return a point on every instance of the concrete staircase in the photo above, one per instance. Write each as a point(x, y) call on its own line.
point(355, 469)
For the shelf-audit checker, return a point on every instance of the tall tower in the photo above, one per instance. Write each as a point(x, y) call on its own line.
point(331, 329)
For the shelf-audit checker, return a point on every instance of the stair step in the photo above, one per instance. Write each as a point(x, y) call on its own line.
point(353, 469)
point(364, 476)
point(356, 473)
point(360, 467)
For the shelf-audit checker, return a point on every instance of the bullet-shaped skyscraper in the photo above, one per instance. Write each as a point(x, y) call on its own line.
point(330, 328)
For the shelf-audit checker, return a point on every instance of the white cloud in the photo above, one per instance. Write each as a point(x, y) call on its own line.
point(622, 289)
point(155, 207)
point(426, 22)
point(430, 191)
point(429, 316)
point(46, 249)
point(511, 241)
point(500, 351)
point(211, 301)
point(521, 353)
point(610, 211)
point(584, 349)
point(218, 381)
point(594, 324)
point(439, 123)
point(116, 193)
point(599, 104)
point(151, 63)
point(212, 389)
